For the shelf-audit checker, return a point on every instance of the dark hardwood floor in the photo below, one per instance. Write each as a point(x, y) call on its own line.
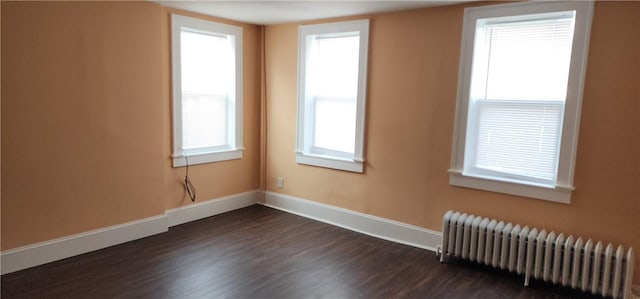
point(259, 252)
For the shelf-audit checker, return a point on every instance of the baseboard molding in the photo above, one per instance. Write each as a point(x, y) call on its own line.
point(48, 251)
point(363, 223)
point(212, 207)
point(61, 248)
point(52, 250)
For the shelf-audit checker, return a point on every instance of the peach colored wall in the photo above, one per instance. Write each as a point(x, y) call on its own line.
point(86, 119)
point(81, 117)
point(214, 180)
point(412, 85)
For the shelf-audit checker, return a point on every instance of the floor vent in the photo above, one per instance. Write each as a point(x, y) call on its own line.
point(584, 265)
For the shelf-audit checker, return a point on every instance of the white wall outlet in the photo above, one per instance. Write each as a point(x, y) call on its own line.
point(280, 182)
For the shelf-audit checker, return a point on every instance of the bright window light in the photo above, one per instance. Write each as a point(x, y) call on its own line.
point(207, 61)
point(519, 85)
point(331, 99)
point(523, 60)
point(335, 124)
point(334, 79)
point(519, 95)
point(207, 91)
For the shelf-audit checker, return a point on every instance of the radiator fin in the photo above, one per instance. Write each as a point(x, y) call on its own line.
point(590, 266)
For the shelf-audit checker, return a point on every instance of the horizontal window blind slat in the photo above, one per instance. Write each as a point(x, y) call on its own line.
point(524, 59)
point(519, 85)
point(524, 146)
point(204, 121)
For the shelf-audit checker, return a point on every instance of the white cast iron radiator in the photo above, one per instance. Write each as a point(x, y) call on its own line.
point(586, 266)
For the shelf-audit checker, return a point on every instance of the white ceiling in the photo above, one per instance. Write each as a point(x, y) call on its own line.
point(277, 12)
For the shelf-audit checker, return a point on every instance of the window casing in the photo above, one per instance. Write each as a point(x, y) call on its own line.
point(331, 94)
point(207, 91)
point(522, 72)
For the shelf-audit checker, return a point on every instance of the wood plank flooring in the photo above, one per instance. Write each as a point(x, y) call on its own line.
point(259, 252)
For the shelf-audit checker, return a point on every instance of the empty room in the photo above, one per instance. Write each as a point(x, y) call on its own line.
point(320, 149)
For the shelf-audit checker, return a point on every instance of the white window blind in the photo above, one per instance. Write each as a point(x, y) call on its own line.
point(207, 63)
point(517, 96)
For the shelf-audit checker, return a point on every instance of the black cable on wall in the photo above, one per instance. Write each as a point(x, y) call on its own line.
point(191, 190)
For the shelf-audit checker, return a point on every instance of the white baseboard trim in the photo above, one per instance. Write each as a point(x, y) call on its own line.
point(212, 207)
point(48, 251)
point(52, 250)
point(363, 223)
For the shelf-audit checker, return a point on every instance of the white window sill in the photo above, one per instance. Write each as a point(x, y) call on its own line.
point(329, 162)
point(202, 158)
point(561, 194)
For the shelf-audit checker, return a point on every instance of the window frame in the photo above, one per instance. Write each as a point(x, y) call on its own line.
point(234, 149)
point(562, 190)
point(305, 153)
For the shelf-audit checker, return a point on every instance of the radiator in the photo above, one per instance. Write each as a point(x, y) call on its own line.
point(537, 254)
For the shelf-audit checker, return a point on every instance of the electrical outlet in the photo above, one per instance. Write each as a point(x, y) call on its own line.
point(280, 182)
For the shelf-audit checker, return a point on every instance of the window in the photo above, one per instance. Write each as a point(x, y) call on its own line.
point(207, 91)
point(331, 94)
point(519, 94)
